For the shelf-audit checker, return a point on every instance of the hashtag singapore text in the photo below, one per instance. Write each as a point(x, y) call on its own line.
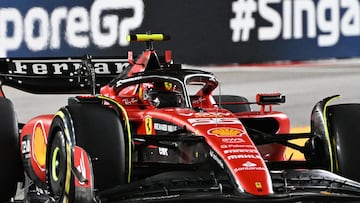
point(243, 22)
point(323, 20)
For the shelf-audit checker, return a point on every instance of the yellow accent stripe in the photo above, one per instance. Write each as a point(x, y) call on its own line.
point(127, 127)
point(61, 114)
point(68, 159)
point(145, 37)
point(68, 172)
point(328, 136)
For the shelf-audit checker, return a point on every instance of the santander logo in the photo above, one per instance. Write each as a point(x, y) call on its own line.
point(249, 164)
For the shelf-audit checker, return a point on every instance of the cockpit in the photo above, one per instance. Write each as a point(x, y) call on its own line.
point(162, 89)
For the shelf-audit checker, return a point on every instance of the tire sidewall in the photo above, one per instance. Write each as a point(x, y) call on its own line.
point(61, 182)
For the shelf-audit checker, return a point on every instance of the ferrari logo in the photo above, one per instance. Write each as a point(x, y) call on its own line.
point(148, 125)
point(258, 185)
point(168, 85)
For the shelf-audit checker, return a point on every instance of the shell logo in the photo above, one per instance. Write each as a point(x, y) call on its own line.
point(225, 132)
point(39, 144)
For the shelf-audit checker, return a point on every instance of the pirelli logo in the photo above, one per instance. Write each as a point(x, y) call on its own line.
point(63, 67)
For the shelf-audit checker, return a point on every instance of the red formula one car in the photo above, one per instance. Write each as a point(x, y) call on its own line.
point(154, 132)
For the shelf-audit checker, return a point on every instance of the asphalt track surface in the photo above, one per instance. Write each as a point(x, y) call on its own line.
point(303, 84)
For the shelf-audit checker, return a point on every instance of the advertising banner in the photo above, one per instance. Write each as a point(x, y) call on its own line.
point(202, 31)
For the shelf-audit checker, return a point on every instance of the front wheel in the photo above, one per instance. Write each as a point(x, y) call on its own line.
point(79, 132)
point(64, 167)
point(59, 171)
point(344, 131)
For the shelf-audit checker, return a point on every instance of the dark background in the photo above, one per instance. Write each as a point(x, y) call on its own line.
point(201, 35)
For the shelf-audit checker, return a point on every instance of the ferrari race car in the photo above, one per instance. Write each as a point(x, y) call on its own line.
point(152, 131)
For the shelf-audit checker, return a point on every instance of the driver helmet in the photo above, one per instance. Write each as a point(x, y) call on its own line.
point(161, 94)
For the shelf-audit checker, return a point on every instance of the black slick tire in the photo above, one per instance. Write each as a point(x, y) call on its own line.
point(10, 159)
point(98, 130)
point(344, 132)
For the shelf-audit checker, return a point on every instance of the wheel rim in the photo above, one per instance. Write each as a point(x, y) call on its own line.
point(55, 164)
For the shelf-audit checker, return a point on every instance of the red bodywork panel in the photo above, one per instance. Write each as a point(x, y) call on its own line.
point(271, 152)
point(33, 139)
point(225, 133)
point(229, 140)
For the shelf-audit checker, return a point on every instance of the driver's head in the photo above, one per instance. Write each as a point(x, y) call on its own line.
point(164, 86)
point(161, 94)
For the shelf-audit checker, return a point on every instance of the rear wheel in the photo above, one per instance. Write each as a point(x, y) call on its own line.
point(10, 159)
point(240, 104)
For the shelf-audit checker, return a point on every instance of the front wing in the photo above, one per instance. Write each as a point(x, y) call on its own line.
point(289, 186)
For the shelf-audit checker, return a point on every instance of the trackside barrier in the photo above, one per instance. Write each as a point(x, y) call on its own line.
point(202, 31)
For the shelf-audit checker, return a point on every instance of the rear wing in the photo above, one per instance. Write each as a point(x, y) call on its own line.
point(58, 75)
point(74, 75)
